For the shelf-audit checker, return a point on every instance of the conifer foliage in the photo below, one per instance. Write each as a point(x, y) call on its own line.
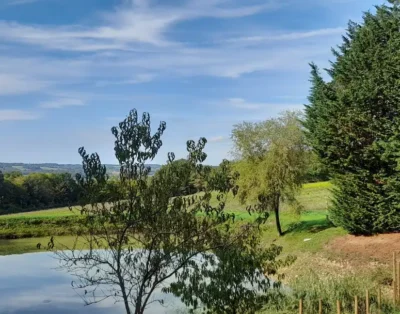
point(353, 123)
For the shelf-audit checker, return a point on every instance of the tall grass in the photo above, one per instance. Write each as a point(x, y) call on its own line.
point(312, 287)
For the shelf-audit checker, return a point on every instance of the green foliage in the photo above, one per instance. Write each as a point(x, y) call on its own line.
point(315, 171)
point(186, 180)
point(237, 283)
point(223, 178)
point(148, 234)
point(2, 182)
point(36, 191)
point(272, 160)
point(353, 124)
point(13, 175)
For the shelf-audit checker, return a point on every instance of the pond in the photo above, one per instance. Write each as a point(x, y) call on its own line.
point(30, 283)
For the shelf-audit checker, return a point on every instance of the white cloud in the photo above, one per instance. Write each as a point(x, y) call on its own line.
point(135, 38)
point(226, 61)
point(282, 36)
point(217, 139)
point(133, 23)
point(243, 104)
point(138, 79)
point(61, 103)
point(35, 73)
point(17, 115)
point(20, 2)
point(293, 97)
point(11, 84)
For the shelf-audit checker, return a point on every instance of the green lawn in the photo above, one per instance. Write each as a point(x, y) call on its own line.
point(19, 231)
point(47, 213)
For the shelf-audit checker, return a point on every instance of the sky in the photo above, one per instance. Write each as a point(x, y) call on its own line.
point(72, 69)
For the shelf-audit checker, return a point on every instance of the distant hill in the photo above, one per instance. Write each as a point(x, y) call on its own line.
point(59, 168)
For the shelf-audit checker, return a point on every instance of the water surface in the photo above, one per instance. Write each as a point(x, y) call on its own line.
point(31, 284)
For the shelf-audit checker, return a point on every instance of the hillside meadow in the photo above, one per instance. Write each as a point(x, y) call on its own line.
point(314, 198)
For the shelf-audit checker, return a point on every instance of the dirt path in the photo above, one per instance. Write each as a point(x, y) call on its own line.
point(366, 249)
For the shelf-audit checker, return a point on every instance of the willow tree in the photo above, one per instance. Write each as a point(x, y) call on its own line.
point(140, 237)
point(271, 159)
point(353, 123)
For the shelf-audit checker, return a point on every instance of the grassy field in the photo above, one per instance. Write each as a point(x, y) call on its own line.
point(47, 213)
point(312, 223)
point(313, 197)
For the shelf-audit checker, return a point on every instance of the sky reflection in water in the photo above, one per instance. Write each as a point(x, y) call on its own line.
point(29, 283)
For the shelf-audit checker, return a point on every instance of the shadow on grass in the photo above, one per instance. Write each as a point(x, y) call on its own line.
point(311, 226)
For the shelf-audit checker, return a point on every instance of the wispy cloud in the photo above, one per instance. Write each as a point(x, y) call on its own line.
point(136, 38)
point(17, 115)
point(61, 103)
point(282, 36)
point(12, 83)
point(134, 23)
point(20, 2)
point(158, 56)
point(34, 73)
point(241, 103)
point(138, 79)
point(217, 139)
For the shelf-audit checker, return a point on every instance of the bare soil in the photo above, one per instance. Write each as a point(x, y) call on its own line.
point(378, 248)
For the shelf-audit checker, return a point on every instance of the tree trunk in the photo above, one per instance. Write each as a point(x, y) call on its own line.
point(122, 286)
point(138, 309)
point(277, 218)
point(126, 302)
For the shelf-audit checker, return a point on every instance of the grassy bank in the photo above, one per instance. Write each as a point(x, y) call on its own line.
point(29, 245)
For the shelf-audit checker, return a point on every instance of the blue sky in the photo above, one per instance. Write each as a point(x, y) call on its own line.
point(71, 69)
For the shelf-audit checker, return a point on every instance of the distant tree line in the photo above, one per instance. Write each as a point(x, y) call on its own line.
point(36, 191)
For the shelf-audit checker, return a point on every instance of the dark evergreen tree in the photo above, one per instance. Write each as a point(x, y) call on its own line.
point(353, 123)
